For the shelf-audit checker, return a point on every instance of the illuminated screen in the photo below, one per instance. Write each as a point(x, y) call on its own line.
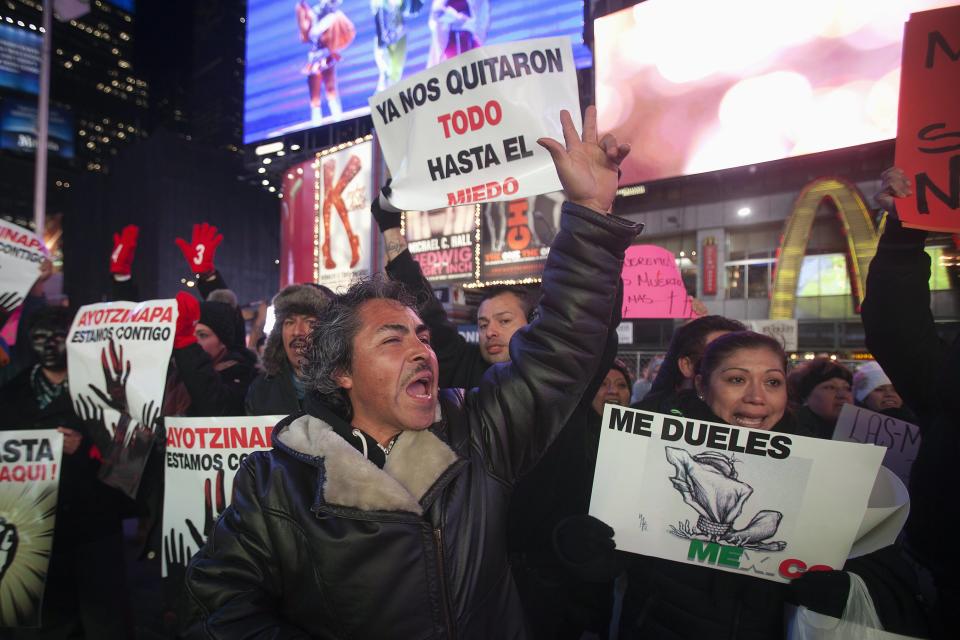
point(824, 275)
point(18, 128)
point(939, 280)
point(701, 85)
point(19, 59)
point(313, 63)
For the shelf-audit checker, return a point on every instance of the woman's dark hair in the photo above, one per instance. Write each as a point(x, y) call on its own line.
point(329, 351)
point(689, 341)
point(724, 346)
point(807, 376)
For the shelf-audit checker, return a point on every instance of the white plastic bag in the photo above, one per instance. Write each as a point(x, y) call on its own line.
point(860, 620)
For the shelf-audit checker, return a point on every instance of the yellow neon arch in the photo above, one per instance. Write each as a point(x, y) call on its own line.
point(858, 229)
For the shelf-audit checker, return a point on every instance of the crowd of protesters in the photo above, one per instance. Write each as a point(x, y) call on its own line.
point(424, 486)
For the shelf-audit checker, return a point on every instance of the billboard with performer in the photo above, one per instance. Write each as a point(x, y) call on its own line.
point(516, 236)
point(314, 62)
point(344, 182)
point(442, 241)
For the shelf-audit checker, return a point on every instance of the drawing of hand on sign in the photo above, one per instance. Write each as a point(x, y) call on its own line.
point(708, 483)
point(115, 378)
point(209, 516)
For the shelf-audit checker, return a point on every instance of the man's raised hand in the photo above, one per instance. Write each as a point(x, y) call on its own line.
point(588, 166)
point(894, 183)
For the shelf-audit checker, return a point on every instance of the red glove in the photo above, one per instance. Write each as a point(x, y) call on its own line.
point(188, 314)
point(124, 246)
point(199, 252)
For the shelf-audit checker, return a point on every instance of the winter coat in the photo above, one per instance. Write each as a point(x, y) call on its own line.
point(319, 542)
point(925, 370)
point(273, 394)
point(214, 388)
point(814, 424)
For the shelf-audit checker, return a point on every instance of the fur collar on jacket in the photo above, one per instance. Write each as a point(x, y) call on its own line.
point(415, 463)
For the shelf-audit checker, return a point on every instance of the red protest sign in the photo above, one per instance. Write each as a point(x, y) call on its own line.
point(652, 286)
point(928, 127)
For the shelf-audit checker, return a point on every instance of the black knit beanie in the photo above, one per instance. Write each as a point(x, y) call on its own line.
point(221, 318)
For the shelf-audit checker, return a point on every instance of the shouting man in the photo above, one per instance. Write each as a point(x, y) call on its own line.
point(381, 513)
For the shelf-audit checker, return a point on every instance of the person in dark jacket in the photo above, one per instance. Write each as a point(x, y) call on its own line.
point(819, 389)
point(901, 334)
point(206, 378)
point(381, 513)
point(84, 590)
point(279, 390)
point(679, 365)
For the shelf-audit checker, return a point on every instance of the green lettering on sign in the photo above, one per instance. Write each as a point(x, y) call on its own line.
point(730, 556)
point(700, 551)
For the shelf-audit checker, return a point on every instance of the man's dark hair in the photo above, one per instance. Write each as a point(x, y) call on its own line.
point(528, 298)
point(689, 341)
point(329, 351)
point(724, 346)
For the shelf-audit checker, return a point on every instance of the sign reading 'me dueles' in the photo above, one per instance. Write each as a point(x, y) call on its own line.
point(465, 131)
point(730, 498)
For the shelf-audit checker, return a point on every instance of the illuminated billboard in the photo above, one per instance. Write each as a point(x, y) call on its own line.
point(700, 85)
point(18, 128)
point(19, 59)
point(314, 63)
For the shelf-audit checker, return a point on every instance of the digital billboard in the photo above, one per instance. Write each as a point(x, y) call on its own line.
point(19, 59)
point(515, 236)
point(443, 242)
point(314, 63)
point(18, 128)
point(700, 85)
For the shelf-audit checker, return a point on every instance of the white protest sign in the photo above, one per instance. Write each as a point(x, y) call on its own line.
point(117, 357)
point(29, 481)
point(901, 439)
point(466, 130)
point(887, 512)
point(747, 501)
point(21, 253)
point(783, 330)
point(202, 458)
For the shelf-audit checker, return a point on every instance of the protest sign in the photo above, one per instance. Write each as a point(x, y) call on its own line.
point(515, 236)
point(443, 242)
point(928, 122)
point(202, 458)
point(740, 500)
point(652, 286)
point(21, 253)
point(344, 184)
point(901, 439)
point(784, 331)
point(117, 357)
point(887, 511)
point(466, 130)
point(29, 480)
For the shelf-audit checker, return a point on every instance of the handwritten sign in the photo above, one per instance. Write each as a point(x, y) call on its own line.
point(928, 125)
point(901, 439)
point(652, 286)
point(465, 131)
point(740, 500)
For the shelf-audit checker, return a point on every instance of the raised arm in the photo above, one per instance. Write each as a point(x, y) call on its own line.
point(526, 402)
point(897, 321)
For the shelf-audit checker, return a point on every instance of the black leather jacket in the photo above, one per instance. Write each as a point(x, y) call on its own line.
point(321, 543)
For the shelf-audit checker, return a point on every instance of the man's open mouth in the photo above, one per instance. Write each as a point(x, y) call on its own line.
point(421, 386)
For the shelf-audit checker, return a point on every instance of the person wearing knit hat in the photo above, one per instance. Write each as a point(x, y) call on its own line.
point(874, 390)
point(216, 329)
point(278, 390)
point(822, 387)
